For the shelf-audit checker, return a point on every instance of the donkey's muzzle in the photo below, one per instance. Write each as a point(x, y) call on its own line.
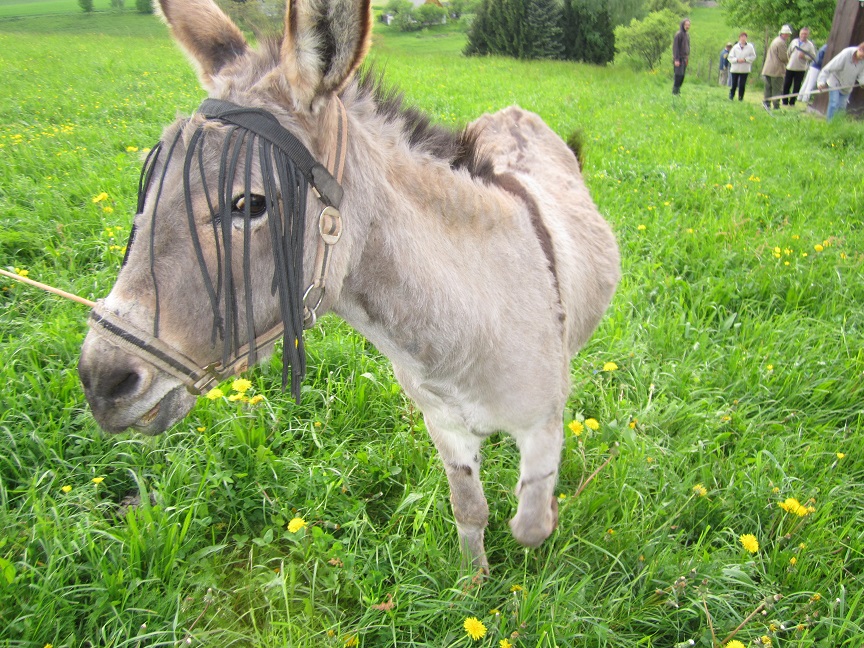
point(124, 391)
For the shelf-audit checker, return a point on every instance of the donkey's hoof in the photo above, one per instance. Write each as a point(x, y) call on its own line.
point(533, 528)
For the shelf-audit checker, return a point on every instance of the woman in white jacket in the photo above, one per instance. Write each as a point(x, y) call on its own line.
point(741, 59)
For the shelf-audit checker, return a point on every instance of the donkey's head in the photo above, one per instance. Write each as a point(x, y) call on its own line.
point(221, 259)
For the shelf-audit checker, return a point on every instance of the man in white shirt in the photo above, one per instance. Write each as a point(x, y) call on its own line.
point(843, 71)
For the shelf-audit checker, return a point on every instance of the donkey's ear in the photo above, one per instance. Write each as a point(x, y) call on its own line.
point(325, 42)
point(210, 38)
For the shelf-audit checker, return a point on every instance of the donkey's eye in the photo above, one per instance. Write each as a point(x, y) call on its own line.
point(257, 205)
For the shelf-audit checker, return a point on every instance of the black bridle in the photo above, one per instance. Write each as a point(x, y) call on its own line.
point(288, 170)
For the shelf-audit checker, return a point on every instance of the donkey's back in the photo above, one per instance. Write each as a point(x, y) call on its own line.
point(584, 251)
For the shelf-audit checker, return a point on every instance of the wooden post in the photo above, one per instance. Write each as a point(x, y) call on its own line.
point(847, 29)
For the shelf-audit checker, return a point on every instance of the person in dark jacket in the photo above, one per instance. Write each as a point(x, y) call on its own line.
point(681, 54)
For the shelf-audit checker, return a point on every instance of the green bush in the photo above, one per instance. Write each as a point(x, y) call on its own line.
point(430, 14)
point(144, 6)
point(86, 5)
point(644, 41)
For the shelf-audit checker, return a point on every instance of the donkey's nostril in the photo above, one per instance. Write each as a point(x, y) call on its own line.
point(121, 383)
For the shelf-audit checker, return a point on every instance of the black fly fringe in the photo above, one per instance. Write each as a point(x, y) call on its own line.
point(285, 189)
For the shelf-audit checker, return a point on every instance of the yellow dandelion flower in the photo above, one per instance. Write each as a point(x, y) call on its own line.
point(108, 209)
point(641, 228)
point(352, 641)
point(515, 588)
point(610, 531)
point(730, 186)
point(214, 394)
point(97, 480)
point(562, 497)
point(793, 561)
point(201, 428)
point(840, 455)
point(237, 397)
point(257, 398)
point(610, 366)
point(765, 640)
point(632, 424)
point(102, 196)
point(792, 505)
point(576, 427)
point(700, 490)
point(241, 385)
point(750, 543)
point(475, 628)
point(818, 247)
point(592, 424)
point(495, 612)
point(131, 149)
point(735, 644)
point(505, 643)
point(48, 645)
point(317, 424)
point(21, 272)
point(66, 488)
point(296, 524)
point(816, 597)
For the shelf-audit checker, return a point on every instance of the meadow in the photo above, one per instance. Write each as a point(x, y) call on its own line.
point(719, 403)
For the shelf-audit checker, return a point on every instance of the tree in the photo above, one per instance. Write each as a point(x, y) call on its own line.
point(524, 29)
point(646, 40)
point(623, 11)
point(86, 5)
point(771, 14)
point(144, 6)
point(430, 14)
point(588, 32)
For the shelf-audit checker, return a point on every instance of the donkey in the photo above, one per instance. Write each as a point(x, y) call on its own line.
point(476, 262)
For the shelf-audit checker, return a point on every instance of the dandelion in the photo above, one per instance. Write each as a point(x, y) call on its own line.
point(840, 455)
point(66, 488)
point(214, 394)
point(765, 640)
point(576, 428)
point(108, 209)
point(793, 561)
point(131, 149)
point(97, 480)
point(562, 497)
point(257, 398)
point(237, 397)
point(201, 428)
point(730, 186)
point(296, 524)
point(792, 505)
point(641, 228)
point(515, 588)
point(816, 597)
point(48, 645)
point(475, 628)
point(505, 643)
point(21, 272)
point(241, 385)
point(750, 543)
point(610, 366)
point(592, 424)
point(700, 490)
point(818, 247)
point(495, 612)
point(102, 196)
point(735, 644)
point(351, 642)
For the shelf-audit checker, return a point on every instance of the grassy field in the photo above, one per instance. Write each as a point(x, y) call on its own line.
point(736, 332)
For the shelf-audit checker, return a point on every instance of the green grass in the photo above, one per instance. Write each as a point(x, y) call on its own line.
point(738, 347)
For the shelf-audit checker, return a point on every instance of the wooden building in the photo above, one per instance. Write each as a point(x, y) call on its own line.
point(847, 29)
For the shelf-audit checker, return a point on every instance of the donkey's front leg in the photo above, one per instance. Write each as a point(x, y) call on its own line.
point(537, 515)
point(460, 452)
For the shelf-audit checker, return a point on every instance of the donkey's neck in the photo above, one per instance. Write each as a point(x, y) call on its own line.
point(426, 248)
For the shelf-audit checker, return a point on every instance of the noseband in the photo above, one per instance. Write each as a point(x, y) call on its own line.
point(325, 184)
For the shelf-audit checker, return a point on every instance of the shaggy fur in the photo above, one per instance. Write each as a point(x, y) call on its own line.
point(477, 262)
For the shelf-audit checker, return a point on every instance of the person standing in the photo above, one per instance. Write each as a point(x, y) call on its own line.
point(774, 69)
point(741, 58)
point(839, 75)
point(724, 64)
point(802, 52)
point(812, 74)
point(681, 54)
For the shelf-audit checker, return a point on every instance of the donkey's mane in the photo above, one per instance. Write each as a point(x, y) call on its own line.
point(460, 150)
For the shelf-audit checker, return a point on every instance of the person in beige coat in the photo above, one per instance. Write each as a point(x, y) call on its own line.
point(774, 69)
point(802, 52)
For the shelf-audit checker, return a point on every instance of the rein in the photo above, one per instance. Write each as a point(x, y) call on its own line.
point(325, 184)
